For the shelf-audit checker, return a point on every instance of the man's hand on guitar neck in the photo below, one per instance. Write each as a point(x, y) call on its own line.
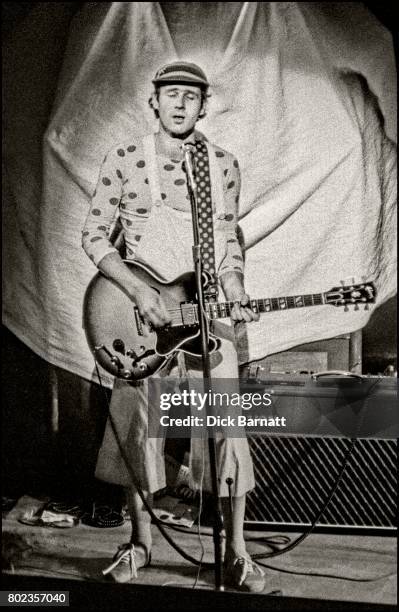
point(234, 291)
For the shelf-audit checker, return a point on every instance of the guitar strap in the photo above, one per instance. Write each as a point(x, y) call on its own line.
point(205, 217)
point(209, 191)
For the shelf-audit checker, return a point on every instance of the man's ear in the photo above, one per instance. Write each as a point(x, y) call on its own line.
point(154, 101)
point(204, 109)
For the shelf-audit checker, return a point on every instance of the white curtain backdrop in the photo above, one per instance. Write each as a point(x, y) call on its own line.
point(302, 93)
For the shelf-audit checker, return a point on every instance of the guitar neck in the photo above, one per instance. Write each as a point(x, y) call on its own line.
point(224, 309)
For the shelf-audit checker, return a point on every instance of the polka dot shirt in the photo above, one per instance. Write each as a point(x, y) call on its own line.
point(123, 187)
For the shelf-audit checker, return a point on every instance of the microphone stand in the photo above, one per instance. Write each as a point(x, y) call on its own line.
point(204, 335)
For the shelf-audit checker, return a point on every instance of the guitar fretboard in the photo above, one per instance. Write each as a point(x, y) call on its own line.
point(346, 296)
point(224, 309)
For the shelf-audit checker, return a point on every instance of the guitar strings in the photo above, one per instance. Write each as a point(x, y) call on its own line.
point(289, 302)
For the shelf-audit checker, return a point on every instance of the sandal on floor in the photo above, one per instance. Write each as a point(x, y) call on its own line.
point(103, 517)
point(71, 508)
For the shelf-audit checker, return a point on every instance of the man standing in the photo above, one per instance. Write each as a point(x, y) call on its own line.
point(145, 183)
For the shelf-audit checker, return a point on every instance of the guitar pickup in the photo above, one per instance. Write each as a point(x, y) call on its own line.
point(188, 313)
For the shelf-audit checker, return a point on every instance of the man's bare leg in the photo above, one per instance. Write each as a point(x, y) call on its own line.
point(234, 526)
point(130, 557)
point(240, 572)
point(141, 519)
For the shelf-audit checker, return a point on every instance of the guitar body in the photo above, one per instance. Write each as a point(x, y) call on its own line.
point(120, 340)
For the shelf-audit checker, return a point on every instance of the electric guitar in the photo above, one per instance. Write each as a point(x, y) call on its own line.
point(128, 347)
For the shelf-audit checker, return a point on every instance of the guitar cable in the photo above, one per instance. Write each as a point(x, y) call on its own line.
point(208, 565)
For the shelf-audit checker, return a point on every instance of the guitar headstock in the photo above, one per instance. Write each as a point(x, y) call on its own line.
point(351, 295)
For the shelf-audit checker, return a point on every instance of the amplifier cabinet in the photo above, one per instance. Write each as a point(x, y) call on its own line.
point(295, 476)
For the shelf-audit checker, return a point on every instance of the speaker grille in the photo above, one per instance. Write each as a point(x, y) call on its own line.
point(295, 476)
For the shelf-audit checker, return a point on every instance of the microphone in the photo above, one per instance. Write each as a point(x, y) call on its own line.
point(188, 150)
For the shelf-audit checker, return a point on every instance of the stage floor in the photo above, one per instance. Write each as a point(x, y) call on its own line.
point(354, 568)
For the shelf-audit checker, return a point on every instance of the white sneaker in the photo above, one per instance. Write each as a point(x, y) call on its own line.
point(126, 562)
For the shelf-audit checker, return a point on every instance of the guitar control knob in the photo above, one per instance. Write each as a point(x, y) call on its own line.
point(117, 362)
point(119, 346)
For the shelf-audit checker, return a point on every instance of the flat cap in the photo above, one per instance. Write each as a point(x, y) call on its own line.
point(181, 72)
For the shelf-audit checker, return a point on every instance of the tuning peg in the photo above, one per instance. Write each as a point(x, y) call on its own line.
point(342, 283)
point(364, 278)
point(346, 308)
point(367, 307)
point(356, 306)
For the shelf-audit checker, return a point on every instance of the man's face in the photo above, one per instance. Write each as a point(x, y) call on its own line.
point(179, 106)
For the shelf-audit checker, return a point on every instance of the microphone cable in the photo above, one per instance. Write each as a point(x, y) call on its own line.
point(199, 517)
